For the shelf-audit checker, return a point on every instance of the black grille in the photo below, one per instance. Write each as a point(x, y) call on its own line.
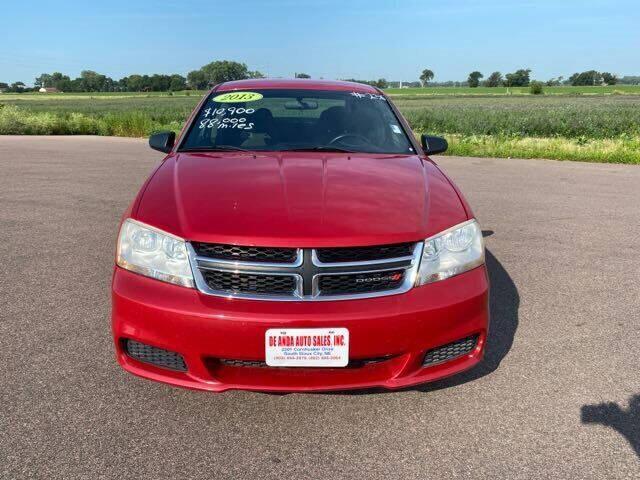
point(363, 362)
point(363, 254)
point(249, 283)
point(229, 362)
point(360, 282)
point(450, 351)
point(245, 254)
point(353, 363)
point(155, 356)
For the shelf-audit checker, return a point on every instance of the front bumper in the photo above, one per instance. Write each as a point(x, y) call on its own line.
point(204, 329)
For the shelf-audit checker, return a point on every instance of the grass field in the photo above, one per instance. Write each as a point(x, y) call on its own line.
point(561, 90)
point(570, 123)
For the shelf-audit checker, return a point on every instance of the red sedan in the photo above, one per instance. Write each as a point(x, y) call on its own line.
point(296, 237)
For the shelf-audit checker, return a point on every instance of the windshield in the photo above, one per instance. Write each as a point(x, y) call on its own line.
point(274, 119)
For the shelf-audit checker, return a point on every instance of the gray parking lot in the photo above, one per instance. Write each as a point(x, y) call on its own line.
point(557, 397)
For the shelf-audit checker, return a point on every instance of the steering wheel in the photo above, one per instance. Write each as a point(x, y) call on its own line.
point(362, 138)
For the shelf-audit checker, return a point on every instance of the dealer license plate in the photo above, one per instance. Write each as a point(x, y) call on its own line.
point(307, 347)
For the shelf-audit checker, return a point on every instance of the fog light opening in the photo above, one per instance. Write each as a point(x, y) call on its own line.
point(154, 355)
point(450, 351)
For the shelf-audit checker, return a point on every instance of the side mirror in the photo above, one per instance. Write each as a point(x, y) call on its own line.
point(432, 145)
point(163, 141)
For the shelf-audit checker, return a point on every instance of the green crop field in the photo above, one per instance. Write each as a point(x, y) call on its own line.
point(560, 90)
point(568, 123)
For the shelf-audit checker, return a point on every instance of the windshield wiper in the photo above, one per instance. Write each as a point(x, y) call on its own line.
point(215, 148)
point(232, 148)
point(318, 148)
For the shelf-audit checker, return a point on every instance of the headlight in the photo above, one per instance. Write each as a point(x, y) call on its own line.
point(154, 253)
point(451, 252)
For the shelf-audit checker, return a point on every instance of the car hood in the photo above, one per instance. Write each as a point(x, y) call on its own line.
point(299, 199)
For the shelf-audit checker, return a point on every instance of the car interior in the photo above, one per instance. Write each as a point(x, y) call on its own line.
point(282, 123)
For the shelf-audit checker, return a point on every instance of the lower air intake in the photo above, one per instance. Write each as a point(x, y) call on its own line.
point(353, 363)
point(450, 351)
point(155, 356)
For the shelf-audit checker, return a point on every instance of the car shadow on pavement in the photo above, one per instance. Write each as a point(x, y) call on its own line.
point(504, 303)
point(625, 422)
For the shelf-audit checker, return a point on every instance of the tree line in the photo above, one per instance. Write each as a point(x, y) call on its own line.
point(224, 70)
point(521, 78)
point(90, 81)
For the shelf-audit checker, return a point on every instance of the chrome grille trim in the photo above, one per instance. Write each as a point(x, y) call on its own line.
point(307, 266)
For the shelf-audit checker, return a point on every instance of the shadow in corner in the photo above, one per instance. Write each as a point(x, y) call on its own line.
point(504, 302)
point(625, 422)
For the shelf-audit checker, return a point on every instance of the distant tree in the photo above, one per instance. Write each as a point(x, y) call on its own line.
point(3, 86)
point(494, 80)
point(380, 83)
point(54, 80)
point(426, 76)
point(474, 79)
point(108, 85)
point(177, 83)
point(302, 75)
point(354, 80)
point(536, 88)
point(123, 84)
point(588, 78)
point(224, 71)
point(520, 78)
point(75, 85)
point(91, 81)
point(255, 74)
point(151, 83)
point(154, 83)
point(133, 83)
point(147, 83)
point(609, 78)
point(159, 83)
point(197, 80)
point(571, 79)
point(60, 81)
point(554, 82)
point(16, 87)
point(44, 80)
point(630, 80)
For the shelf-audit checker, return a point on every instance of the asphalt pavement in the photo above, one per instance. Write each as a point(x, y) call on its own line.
point(557, 397)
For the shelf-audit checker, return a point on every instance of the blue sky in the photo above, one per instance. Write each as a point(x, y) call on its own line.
point(362, 39)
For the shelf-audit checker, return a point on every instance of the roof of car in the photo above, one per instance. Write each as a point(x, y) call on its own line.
point(297, 83)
